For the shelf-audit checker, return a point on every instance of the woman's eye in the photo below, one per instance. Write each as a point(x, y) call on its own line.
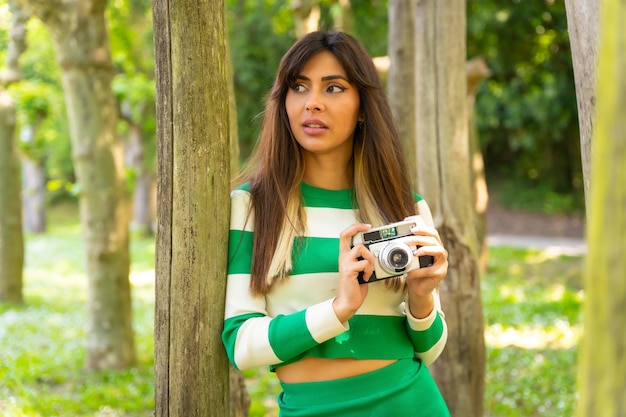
point(298, 88)
point(335, 89)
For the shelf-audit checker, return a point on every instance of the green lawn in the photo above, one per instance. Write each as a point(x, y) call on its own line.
point(532, 310)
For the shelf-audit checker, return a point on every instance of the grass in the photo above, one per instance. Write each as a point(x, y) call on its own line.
point(532, 304)
point(42, 344)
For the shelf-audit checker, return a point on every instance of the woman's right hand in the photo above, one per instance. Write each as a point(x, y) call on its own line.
point(352, 261)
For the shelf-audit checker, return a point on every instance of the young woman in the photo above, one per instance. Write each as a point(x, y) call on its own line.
point(328, 165)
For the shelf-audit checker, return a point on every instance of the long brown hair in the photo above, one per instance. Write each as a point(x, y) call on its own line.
point(382, 187)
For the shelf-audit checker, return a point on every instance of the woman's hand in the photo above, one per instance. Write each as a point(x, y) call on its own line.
point(352, 261)
point(421, 282)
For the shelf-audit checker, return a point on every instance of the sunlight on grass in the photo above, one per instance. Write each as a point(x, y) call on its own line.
point(533, 312)
point(561, 336)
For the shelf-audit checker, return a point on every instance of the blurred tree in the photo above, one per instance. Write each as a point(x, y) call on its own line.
point(444, 178)
point(79, 33)
point(32, 98)
point(43, 117)
point(306, 16)
point(133, 85)
point(602, 363)
point(11, 235)
point(191, 367)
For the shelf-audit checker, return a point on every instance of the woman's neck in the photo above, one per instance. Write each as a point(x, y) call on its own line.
point(328, 173)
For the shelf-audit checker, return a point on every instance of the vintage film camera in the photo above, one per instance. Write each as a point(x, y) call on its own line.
point(392, 255)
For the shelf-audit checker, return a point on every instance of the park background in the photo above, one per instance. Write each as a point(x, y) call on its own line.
point(527, 124)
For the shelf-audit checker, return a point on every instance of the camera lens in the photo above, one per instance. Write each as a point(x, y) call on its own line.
point(395, 257)
point(398, 259)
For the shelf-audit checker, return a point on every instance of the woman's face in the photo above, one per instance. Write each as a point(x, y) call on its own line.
point(323, 108)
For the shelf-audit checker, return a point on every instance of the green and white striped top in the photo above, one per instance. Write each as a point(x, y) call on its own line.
point(296, 319)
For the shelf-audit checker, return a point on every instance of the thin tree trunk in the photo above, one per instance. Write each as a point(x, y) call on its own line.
point(34, 195)
point(79, 33)
point(143, 209)
point(444, 173)
point(11, 237)
point(191, 367)
point(306, 15)
point(602, 361)
point(33, 186)
point(582, 22)
point(341, 11)
point(476, 71)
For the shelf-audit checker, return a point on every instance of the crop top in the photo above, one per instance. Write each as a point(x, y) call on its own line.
point(296, 318)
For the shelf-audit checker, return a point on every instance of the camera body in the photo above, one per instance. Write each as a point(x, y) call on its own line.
point(393, 256)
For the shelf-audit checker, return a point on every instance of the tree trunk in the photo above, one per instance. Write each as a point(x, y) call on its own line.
point(33, 186)
point(143, 209)
point(401, 74)
point(34, 195)
point(11, 237)
point(306, 15)
point(602, 361)
point(191, 367)
point(444, 173)
point(11, 232)
point(582, 22)
point(79, 33)
point(341, 11)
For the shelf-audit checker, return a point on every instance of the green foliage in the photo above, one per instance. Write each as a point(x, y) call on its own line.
point(41, 113)
point(259, 34)
point(526, 111)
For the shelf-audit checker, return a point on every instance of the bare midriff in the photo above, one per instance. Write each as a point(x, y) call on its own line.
point(312, 369)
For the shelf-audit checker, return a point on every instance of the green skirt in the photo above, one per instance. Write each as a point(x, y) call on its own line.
point(402, 389)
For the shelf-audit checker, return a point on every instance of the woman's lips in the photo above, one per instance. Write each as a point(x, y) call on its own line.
point(314, 127)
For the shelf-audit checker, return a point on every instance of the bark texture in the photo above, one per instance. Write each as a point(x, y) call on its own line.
point(401, 74)
point(444, 178)
point(82, 49)
point(191, 367)
point(583, 24)
point(602, 361)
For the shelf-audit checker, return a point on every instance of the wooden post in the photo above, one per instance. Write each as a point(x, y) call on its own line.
point(191, 368)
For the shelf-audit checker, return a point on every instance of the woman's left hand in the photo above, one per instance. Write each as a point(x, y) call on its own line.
point(421, 282)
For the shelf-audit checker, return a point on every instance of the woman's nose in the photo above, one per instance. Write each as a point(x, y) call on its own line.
point(313, 103)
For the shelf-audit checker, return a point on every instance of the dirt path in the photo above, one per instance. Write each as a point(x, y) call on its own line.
point(521, 223)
